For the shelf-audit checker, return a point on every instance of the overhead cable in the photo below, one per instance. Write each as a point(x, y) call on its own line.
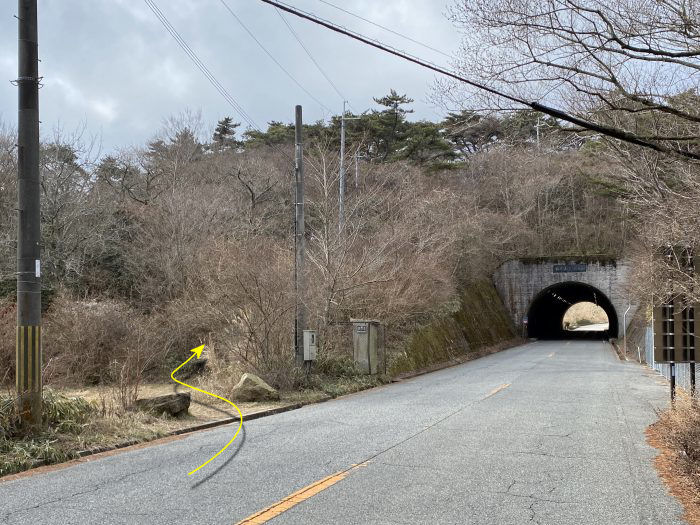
point(405, 37)
point(619, 134)
point(200, 65)
point(210, 76)
point(272, 57)
point(294, 33)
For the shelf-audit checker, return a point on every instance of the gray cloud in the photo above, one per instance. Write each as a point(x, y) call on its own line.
point(109, 64)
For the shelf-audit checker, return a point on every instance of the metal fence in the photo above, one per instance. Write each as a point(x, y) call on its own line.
point(682, 369)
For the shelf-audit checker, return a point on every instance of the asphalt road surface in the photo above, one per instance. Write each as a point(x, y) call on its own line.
point(550, 433)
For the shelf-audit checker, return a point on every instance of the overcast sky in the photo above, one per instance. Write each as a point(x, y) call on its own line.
point(111, 66)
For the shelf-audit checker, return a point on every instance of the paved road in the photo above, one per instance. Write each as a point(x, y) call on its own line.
point(549, 433)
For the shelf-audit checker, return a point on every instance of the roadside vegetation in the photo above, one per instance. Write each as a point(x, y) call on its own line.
point(71, 424)
point(677, 435)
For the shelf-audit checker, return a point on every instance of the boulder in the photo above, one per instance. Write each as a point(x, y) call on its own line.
point(252, 388)
point(172, 404)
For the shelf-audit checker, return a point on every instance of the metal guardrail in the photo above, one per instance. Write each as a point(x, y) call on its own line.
point(682, 369)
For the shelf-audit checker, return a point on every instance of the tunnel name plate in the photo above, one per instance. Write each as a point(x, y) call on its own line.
point(570, 268)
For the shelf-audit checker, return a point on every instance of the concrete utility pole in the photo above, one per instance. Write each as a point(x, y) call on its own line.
point(299, 284)
point(28, 369)
point(341, 198)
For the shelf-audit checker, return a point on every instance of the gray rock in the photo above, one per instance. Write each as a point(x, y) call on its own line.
point(252, 388)
point(172, 404)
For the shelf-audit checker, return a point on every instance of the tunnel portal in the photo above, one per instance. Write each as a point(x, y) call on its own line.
point(546, 313)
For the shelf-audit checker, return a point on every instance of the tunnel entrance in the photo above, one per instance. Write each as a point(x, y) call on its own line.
point(548, 309)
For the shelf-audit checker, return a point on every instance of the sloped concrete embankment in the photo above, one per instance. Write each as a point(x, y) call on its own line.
point(478, 325)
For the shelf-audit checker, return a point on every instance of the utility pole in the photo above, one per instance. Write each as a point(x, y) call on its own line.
point(299, 285)
point(28, 345)
point(341, 198)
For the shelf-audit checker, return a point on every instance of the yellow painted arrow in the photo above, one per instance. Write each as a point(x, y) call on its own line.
point(197, 352)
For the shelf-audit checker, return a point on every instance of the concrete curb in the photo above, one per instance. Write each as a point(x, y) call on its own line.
point(209, 424)
point(187, 430)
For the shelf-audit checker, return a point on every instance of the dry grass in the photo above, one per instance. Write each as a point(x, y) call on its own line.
point(71, 424)
point(677, 435)
point(202, 409)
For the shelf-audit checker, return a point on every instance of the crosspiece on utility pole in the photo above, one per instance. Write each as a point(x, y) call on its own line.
point(28, 344)
point(299, 283)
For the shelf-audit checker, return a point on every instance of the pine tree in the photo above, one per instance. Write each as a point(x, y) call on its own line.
point(389, 126)
point(225, 134)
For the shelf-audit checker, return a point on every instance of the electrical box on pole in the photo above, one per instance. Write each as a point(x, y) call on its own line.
point(310, 345)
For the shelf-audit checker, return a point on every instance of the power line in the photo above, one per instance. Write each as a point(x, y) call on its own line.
point(200, 65)
point(208, 74)
point(273, 58)
point(294, 33)
point(619, 134)
point(405, 37)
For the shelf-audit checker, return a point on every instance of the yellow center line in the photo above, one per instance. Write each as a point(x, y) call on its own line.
point(297, 497)
point(497, 390)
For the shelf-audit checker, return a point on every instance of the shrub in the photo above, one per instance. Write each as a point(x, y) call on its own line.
point(60, 413)
point(81, 340)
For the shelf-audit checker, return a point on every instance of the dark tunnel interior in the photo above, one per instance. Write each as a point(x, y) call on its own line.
point(546, 313)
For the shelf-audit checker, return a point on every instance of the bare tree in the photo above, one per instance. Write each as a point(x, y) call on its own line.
point(635, 57)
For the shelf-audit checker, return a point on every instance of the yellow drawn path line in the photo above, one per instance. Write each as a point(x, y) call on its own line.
point(497, 390)
point(297, 497)
point(197, 352)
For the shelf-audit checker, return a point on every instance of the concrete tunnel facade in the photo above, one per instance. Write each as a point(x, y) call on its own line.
point(541, 290)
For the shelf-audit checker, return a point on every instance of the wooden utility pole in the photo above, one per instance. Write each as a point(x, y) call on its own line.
point(299, 282)
point(28, 345)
